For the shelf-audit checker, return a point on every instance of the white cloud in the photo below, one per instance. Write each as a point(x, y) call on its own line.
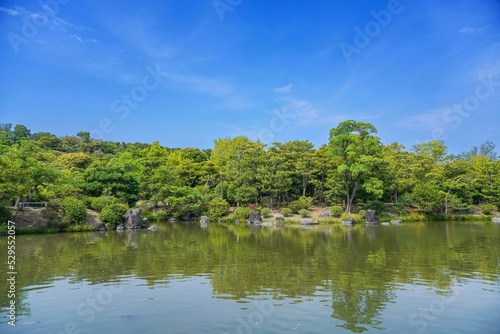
point(302, 112)
point(429, 120)
point(10, 11)
point(202, 85)
point(284, 90)
point(81, 40)
point(473, 30)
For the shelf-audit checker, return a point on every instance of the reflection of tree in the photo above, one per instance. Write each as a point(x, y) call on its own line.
point(357, 266)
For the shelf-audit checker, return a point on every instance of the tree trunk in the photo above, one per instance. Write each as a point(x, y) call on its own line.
point(222, 187)
point(271, 202)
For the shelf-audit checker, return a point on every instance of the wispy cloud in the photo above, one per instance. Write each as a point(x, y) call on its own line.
point(202, 85)
point(473, 30)
point(81, 40)
point(284, 90)
point(428, 120)
point(10, 11)
point(302, 112)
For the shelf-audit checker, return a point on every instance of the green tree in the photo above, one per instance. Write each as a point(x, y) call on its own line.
point(360, 153)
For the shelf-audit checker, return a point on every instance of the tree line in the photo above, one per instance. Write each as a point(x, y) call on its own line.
point(354, 170)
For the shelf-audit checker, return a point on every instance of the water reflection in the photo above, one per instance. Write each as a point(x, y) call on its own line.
point(360, 267)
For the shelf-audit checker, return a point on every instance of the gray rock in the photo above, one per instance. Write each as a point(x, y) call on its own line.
point(496, 219)
point(172, 220)
point(371, 217)
point(254, 218)
point(267, 224)
point(326, 210)
point(324, 215)
point(348, 222)
point(280, 219)
point(396, 221)
point(237, 221)
point(204, 221)
point(99, 226)
point(120, 227)
point(385, 223)
point(308, 221)
point(153, 228)
point(145, 222)
point(133, 219)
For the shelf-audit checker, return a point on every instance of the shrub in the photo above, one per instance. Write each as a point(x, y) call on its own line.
point(218, 207)
point(265, 212)
point(488, 209)
point(242, 212)
point(302, 203)
point(305, 213)
point(362, 213)
point(113, 215)
point(286, 212)
point(74, 210)
point(98, 203)
point(5, 215)
point(378, 206)
point(336, 211)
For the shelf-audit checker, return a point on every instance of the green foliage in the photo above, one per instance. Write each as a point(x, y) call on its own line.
point(265, 212)
point(378, 206)
point(218, 207)
point(286, 212)
point(76, 160)
point(305, 213)
point(302, 203)
point(362, 213)
point(427, 197)
point(98, 203)
point(488, 209)
point(111, 181)
point(185, 203)
point(74, 210)
point(336, 211)
point(242, 212)
point(113, 215)
point(5, 215)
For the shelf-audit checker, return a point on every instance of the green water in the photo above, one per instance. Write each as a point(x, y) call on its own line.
point(414, 278)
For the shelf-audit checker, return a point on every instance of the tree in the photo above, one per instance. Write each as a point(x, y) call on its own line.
point(111, 181)
point(20, 132)
point(360, 153)
point(434, 148)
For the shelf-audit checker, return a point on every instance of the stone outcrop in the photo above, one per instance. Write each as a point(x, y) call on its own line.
point(372, 217)
point(120, 227)
point(153, 228)
point(133, 220)
point(308, 221)
point(396, 221)
point(254, 218)
point(204, 221)
point(348, 222)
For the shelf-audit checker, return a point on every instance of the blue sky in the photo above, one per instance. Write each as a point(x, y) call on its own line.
point(185, 73)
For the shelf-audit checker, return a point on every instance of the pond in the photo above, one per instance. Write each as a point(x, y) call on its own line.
point(411, 278)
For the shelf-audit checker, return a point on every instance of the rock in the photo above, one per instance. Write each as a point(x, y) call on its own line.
point(308, 221)
point(153, 228)
point(324, 215)
point(133, 220)
point(219, 221)
point(237, 221)
point(254, 218)
point(99, 226)
point(145, 222)
point(348, 222)
point(396, 221)
point(385, 223)
point(280, 220)
point(267, 224)
point(172, 220)
point(204, 221)
point(371, 217)
point(120, 227)
point(496, 219)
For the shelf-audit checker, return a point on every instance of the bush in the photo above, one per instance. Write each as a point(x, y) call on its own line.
point(362, 213)
point(305, 213)
point(113, 215)
point(336, 211)
point(218, 207)
point(74, 210)
point(265, 212)
point(302, 203)
point(286, 212)
point(242, 212)
point(378, 206)
point(5, 215)
point(488, 209)
point(98, 203)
